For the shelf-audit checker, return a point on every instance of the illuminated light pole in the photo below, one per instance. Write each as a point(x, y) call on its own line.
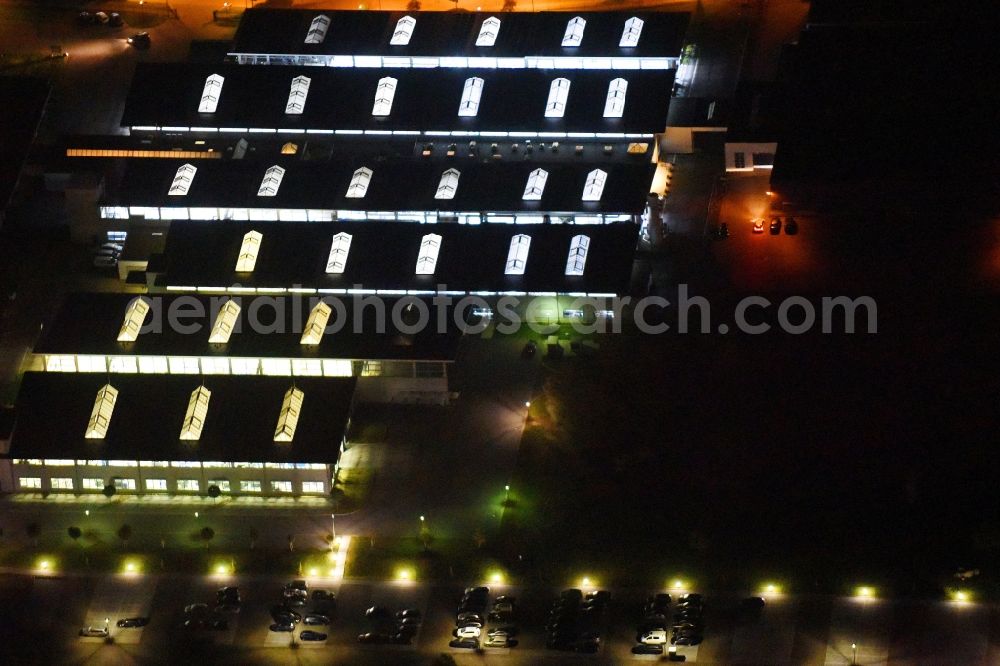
point(506, 493)
point(854, 653)
point(86, 512)
point(107, 626)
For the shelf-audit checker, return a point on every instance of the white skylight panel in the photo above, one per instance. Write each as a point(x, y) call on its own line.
point(488, 32)
point(594, 187)
point(194, 417)
point(448, 185)
point(472, 92)
point(359, 184)
point(577, 259)
point(574, 31)
point(182, 180)
point(632, 31)
point(288, 417)
point(316, 324)
point(317, 29)
point(339, 249)
point(271, 182)
point(517, 256)
point(430, 247)
point(536, 185)
point(248, 252)
point(297, 95)
point(100, 417)
point(555, 107)
point(384, 95)
point(225, 322)
point(404, 31)
point(135, 315)
point(210, 93)
point(614, 105)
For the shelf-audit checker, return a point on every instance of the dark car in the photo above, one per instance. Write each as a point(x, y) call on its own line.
point(408, 614)
point(722, 231)
point(692, 639)
point(140, 40)
point(647, 649)
point(308, 635)
point(115, 20)
point(284, 611)
point(378, 613)
point(372, 638)
point(316, 619)
point(86, 18)
point(282, 626)
point(588, 646)
point(791, 227)
point(529, 349)
point(752, 603)
point(132, 622)
point(218, 624)
point(323, 595)
point(464, 643)
point(776, 226)
point(661, 600)
point(564, 643)
point(402, 638)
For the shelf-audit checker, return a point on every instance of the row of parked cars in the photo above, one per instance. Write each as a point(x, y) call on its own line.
point(686, 627)
point(106, 254)
point(475, 612)
point(397, 627)
point(290, 611)
point(124, 623)
point(140, 40)
point(575, 620)
point(791, 226)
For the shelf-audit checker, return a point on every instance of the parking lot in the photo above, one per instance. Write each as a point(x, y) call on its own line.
point(788, 630)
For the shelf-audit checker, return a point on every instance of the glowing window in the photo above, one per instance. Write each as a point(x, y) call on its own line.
point(430, 246)
point(594, 187)
point(135, 315)
point(100, 416)
point(359, 183)
point(577, 259)
point(317, 29)
point(614, 105)
point(288, 417)
point(555, 107)
point(194, 417)
point(339, 249)
point(272, 181)
point(517, 256)
point(182, 180)
point(630, 35)
point(536, 185)
point(472, 92)
point(448, 184)
point(488, 32)
point(225, 322)
point(316, 324)
point(404, 31)
point(297, 95)
point(210, 93)
point(574, 31)
point(248, 252)
point(384, 95)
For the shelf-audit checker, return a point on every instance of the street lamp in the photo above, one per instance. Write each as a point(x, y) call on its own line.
point(506, 493)
point(107, 623)
point(333, 527)
point(195, 514)
point(86, 512)
point(854, 655)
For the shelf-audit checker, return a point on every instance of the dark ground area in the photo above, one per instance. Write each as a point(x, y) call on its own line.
point(824, 459)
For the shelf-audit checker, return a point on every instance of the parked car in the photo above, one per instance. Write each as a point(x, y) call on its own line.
point(316, 619)
point(115, 20)
point(312, 636)
point(373, 638)
point(496, 639)
point(465, 643)
point(758, 225)
point(776, 226)
point(94, 632)
point(218, 624)
point(791, 227)
point(752, 603)
point(140, 40)
point(86, 18)
point(282, 626)
point(647, 649)
point(129, 622)
point(467, 632)
point(323, 595)
point(408, 614)
point(654, 637)
point(376, 613)
point(196, 609)
point(102, 17)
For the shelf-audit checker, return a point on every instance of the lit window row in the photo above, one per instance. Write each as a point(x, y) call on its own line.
point(462, 62)
point(489, 30)
point(160, 485)
point(180, 464)
point(221, 365)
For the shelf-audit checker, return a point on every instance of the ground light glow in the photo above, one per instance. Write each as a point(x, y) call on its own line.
point(131, 567)
point(405, 575)
point(960, 596)
point(45, 565)
point(221, 569)
point(678, 584)
point(496, 578)
point(770, 589)
point(864, 592)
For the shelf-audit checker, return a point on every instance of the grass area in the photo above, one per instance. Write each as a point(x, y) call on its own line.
point(355, 482)
point(457, 560)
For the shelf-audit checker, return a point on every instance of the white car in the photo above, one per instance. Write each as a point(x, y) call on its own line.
point(94, 632)
point(467, 632)
point(496, 639)
point(654, 637)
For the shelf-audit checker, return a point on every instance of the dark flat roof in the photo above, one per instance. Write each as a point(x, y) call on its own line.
point(168, 94)
point(399, 185)
point(283, 31)
point(53, 409)
point(23, 102)
point(384, 255)
point(89, 324)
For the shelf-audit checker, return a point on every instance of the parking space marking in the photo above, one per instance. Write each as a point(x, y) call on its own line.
point(117, 597)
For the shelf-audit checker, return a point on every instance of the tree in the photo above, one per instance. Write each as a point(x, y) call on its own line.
point(125, 533)
point(479, 539)
point(214, 491)
point(109, 491)
point(253, 537)
point(75, 533)
point(413, 6)
point(33, 530)
point(207, 534)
